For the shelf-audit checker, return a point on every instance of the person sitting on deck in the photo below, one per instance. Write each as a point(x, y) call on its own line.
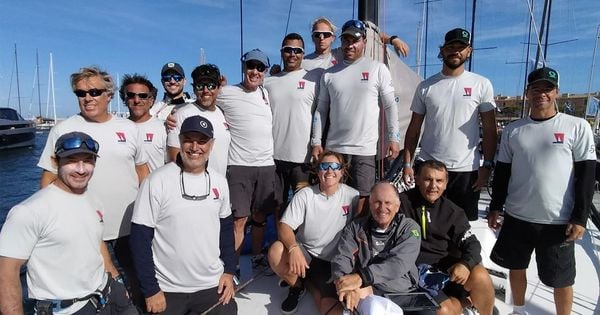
point(447, 243)
point(317, 214)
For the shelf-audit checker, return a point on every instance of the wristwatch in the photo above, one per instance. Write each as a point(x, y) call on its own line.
point(489, 164)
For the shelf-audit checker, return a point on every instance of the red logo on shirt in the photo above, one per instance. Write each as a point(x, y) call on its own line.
point(100, 215)
point(216, 192)
point(121, 136)
point(149, 137)
point(226, 125)
point(467, 91)
point(346, 210)
point(334, 62)
point(301, 85)
point(559, 137)
point(365, 76)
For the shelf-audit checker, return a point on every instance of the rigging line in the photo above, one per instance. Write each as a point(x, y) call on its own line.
point(537, 33)
point(287, 24)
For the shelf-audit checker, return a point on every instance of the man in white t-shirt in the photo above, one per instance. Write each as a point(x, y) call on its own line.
point(349, 95)
point(251, 172)
point(57, 233)
point(545, 182)
point(139, 94)
point(207, 86)
point(449, 104)
point(182, 232)
point(292, 98)
point(173, 80)
point(120, 171)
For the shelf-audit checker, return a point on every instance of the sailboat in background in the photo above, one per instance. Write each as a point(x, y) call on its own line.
point(44, 123)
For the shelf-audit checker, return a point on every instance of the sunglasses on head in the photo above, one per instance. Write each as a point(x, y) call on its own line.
point(324, 34)
point(91, 92)
point(201, 85)
point(172, 76)
point(142, 96)
point(292, 50)
point(356, 23)
point(334, 166)
point(255, 64)
point(76, 143)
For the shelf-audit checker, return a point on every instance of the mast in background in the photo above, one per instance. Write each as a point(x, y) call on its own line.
point(17, 72)
point(37, 75)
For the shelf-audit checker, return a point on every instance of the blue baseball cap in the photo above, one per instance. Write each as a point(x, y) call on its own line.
point(258, 55)
point(197, 124)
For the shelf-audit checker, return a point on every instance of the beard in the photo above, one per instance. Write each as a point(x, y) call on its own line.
point(451, 65)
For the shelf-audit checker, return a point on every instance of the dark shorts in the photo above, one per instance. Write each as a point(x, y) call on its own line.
point(451, 289)
point(198, 303)
point(361, 175)
point(459, 190)
point(252, 188)
point(319, 273)
point(555, 256)
point(292, 176)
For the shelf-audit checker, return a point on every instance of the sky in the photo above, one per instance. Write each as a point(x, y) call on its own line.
point(139, 36)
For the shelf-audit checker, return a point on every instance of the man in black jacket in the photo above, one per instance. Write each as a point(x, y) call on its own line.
point(447, 243)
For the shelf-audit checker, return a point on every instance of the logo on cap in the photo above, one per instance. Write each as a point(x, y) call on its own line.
point(203, 124)
point(171, 65)
point(552, 74)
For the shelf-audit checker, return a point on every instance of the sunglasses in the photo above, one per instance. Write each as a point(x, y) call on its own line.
point(253, 64)
point(324, 34)
point(334, 166)
point(142, 96)
point(185, 196)
point(292, 50)
point(356, 23)
point(91, 92)
point(169, 77)
point(76, 143)
point(209, 85)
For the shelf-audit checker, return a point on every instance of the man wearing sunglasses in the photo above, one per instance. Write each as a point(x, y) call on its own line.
point(57, 233)
point(123, 165)
point(173, 80)
point(447, 243)
point(451, 105)
point(138, 93)
point(182, 231)
point(292, 96)
point(207, 86)
point(251, 172)
point(349, 96)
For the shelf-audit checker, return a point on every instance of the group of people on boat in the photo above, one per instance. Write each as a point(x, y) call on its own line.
point(148, 214)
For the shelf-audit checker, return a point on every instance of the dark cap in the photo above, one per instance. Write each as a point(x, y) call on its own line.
point(208, 72)
point(197, 124)
point(543, 74)
point(75, 142)
point(458, 35)
point(356, 28)
point(174, 67)
point(258, 55)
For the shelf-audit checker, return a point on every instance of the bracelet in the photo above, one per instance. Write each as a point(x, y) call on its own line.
point(392, 38)
point(291, 247)
point(119, 279)
point(407, 165)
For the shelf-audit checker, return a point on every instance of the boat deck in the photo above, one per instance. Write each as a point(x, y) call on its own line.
point(262, 295)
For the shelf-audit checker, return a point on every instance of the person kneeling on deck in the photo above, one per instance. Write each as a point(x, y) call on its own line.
point(317, 213)
point(182, 232)
point(445, 229)
point(376, 255)
point(57, 232)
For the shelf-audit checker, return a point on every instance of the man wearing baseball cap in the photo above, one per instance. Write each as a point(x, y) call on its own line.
point(451, 104)
point(185, 201)
point(206, 81)
point(544, 184)
point(57, 233)
point(349, 95)
point(173, 80)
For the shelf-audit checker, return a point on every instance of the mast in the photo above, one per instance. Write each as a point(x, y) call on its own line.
point(589, 90)
point(51, 69)
point(472, 32)
point(37, 75)
point(368, 10)
point(17, 72)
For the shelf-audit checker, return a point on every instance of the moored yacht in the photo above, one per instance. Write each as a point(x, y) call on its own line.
point(15, 131)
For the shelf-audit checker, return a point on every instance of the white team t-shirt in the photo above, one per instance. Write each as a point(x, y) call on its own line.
point(154, 142)
point(161, 110)
point(451, 106)
point(292, 98)
point(349, 93)
point(115, 182)
point(185, 247)
point(59, 234)
point(320, 219)
point(220, 151)
point(313, 61)
point(542, 153)
point(250, 120)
